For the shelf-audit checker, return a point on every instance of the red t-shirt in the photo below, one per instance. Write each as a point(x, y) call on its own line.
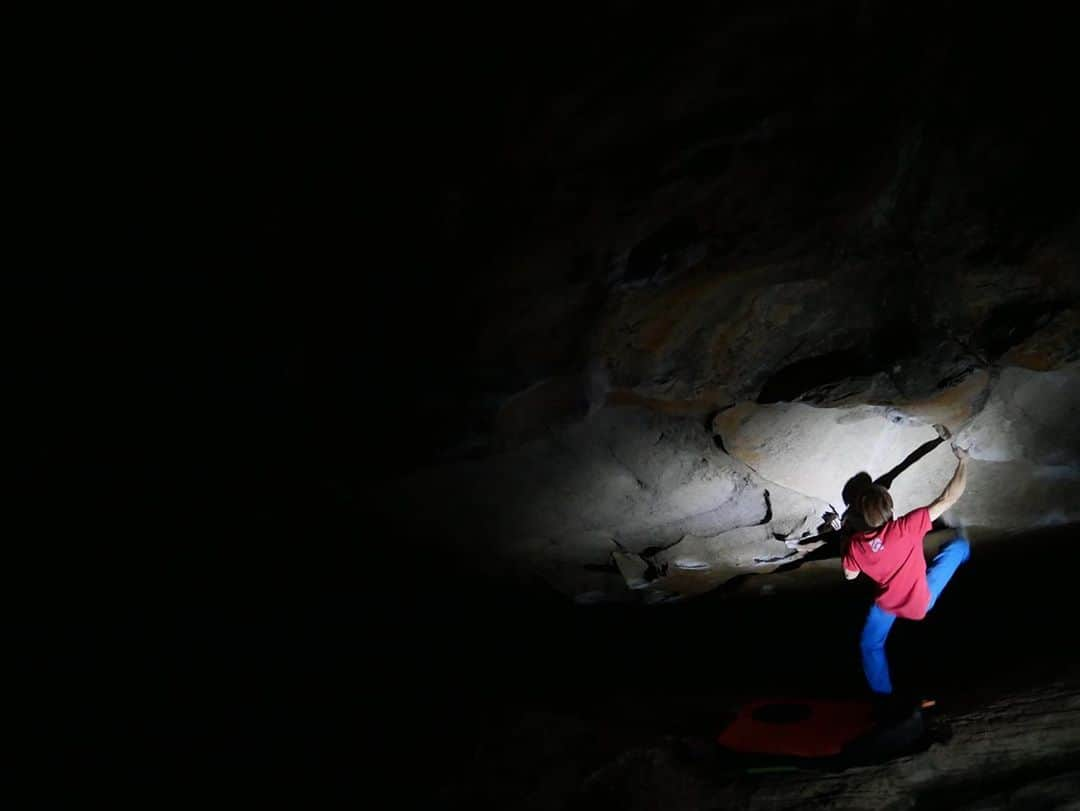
point(893, 558)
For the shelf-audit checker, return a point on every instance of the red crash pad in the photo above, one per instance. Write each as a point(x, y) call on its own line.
point(800, 727)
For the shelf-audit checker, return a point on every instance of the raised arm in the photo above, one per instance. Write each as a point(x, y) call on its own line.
point(953, 490)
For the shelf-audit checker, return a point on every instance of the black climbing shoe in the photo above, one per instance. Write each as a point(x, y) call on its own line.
point(894, 708)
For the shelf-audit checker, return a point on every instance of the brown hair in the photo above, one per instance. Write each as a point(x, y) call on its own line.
point(876, 506)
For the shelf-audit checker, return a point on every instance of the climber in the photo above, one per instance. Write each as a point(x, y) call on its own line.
point(891, 554)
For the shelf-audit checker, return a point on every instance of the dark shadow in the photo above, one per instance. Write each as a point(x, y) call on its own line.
point(809, 379)
point(733, 584)
point(655, 254)
point(1011, 323)
point(768, 510)
point(608, 568)
point(833, 547)
point(855, 485)
point(887, 479)
point(809, 373)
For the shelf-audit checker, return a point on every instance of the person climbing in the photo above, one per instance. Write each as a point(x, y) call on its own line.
point(890, 552)
point(833, 534)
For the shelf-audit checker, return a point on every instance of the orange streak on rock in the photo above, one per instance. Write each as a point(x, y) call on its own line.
point(710, 400)
point(953, 406)
point(1050, 347)
point(670, 309)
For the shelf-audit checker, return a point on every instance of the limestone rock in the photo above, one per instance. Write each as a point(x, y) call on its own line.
point(833, 279)
point(953, 405)
point(557, 507)
point(1054, 344)
point(695, 565)
point(1029, 416)
point(815, 451)
point(1023, 445)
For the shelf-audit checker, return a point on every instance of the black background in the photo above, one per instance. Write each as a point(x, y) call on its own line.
point(233, 297)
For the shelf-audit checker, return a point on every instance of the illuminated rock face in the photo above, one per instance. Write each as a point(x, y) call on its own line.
point(1023, 443)
point(702, 396)
point(712, 280)
point(660, 488)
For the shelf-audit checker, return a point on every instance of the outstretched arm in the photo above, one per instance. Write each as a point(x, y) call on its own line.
point(953, 490)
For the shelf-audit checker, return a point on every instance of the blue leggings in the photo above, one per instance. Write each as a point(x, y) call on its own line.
point(879, 623)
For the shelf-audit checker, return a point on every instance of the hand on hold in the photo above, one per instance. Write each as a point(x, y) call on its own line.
point(832, 518)
point(960, 453)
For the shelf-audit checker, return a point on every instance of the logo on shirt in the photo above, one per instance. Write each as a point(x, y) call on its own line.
point(877, 544)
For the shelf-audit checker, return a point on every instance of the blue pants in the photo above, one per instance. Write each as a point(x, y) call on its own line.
point(879, 623)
